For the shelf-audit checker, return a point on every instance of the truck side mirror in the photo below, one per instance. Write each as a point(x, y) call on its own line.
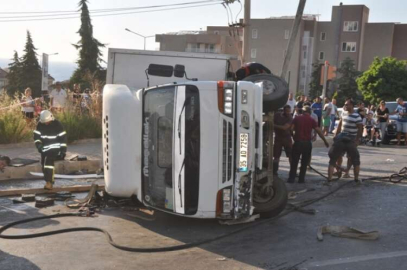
point(179, 71)
point(160, 70)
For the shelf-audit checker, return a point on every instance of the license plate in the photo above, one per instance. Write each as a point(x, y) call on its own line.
point(243, 151)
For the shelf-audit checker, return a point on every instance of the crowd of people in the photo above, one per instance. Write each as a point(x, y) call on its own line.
point(56, 101)
point(302, 119)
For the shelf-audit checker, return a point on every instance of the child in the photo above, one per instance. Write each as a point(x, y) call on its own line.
point(370, 128)
point(27, 104)
point(37, 107)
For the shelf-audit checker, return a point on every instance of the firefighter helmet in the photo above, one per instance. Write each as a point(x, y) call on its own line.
point(46, 116)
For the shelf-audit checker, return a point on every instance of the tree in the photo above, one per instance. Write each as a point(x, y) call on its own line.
point(89, 48)
point(315, 87)
point(346, 81)
point(14, 75)
point(385, 79)
point(30, 75)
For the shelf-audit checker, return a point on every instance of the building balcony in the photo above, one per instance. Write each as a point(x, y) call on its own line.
point(202, 50)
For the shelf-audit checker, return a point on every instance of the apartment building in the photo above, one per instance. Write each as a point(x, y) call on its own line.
point(347, 34)
point(216, 39)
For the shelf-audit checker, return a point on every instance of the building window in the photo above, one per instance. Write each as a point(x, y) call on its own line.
point(350, 26)
point(254, 34)
point(209, 48)
point(323, 36)
point(287, 34)
point(321, 56)
point(253, 53)
point(216, 32)
point(349, 46)
point(305, 54)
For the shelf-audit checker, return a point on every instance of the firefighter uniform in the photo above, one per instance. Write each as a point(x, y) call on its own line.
point(50, 140)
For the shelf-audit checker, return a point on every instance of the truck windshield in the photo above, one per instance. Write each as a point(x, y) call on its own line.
point(171, 148)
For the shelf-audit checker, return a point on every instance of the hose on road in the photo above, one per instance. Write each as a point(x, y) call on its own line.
point(395, 178)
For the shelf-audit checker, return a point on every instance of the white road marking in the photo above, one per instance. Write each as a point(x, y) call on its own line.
point(359, 258)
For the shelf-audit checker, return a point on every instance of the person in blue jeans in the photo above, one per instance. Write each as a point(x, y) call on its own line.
point(317, 109)
point(401, 110)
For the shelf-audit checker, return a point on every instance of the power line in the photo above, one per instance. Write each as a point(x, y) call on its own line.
point(105, 15)
point(55, 12)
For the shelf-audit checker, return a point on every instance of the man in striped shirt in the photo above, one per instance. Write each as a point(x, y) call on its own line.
point(346, 139)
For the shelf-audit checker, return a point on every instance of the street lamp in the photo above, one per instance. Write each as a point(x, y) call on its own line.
point(44, 67)
point(145, 37)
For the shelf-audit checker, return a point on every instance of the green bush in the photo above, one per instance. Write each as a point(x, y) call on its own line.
point(13, 128)
point(80, 126)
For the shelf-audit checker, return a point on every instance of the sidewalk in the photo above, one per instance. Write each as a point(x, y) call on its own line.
point(91, 148)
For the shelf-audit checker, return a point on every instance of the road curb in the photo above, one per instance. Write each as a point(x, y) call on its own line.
point(61, 167)
point(31, 143)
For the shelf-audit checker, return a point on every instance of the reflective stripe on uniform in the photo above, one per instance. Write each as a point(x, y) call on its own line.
point(63, 144)
point(37, 141)
point(48, 167)
point(52, 145)
point(62, 133)
point(48, 137)
point(50, 148)
point(36, 131)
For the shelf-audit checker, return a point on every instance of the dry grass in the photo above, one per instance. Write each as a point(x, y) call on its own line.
point(78, 123)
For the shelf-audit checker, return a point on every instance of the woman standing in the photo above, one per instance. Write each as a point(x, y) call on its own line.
point(28, 105)
point(382, 116)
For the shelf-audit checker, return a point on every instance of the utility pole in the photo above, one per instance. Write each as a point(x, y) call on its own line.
point(326, 67)
point(246, 31)
point(293, 36)
point(270, 115)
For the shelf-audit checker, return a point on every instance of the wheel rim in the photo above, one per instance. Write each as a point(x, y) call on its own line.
point(263, 194)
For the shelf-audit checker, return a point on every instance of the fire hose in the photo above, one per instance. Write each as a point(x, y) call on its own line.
point(394, 178)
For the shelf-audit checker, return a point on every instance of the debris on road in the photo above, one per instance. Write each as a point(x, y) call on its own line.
point(293, 194)
point(347, 232)
point(44, 202)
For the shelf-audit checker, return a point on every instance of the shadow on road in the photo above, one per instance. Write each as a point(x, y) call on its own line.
point(11, 262)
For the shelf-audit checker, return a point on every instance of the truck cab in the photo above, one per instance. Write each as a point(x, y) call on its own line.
point(197, 146)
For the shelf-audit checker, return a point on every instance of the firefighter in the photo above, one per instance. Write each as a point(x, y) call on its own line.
point(50, 140)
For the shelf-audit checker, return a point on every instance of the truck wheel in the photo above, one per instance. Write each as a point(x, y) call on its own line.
point(275, 93)
point(271, 203)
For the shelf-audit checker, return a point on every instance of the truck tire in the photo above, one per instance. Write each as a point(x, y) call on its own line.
point(276, 95)
point(274, 205)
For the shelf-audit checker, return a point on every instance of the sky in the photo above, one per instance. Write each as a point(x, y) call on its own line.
point(57, 36)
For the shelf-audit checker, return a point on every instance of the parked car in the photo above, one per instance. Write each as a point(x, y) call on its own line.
point(391, 129)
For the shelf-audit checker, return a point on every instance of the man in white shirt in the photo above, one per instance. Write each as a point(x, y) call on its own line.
point(291, 102)
point(58, 98)
point(334, 113)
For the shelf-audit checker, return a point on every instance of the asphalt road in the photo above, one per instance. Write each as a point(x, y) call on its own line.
point(286, 243)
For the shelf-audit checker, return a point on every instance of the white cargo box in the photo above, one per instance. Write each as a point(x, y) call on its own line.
point(129, 67)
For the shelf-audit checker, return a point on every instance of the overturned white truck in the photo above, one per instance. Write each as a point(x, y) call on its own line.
point(191, 148)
